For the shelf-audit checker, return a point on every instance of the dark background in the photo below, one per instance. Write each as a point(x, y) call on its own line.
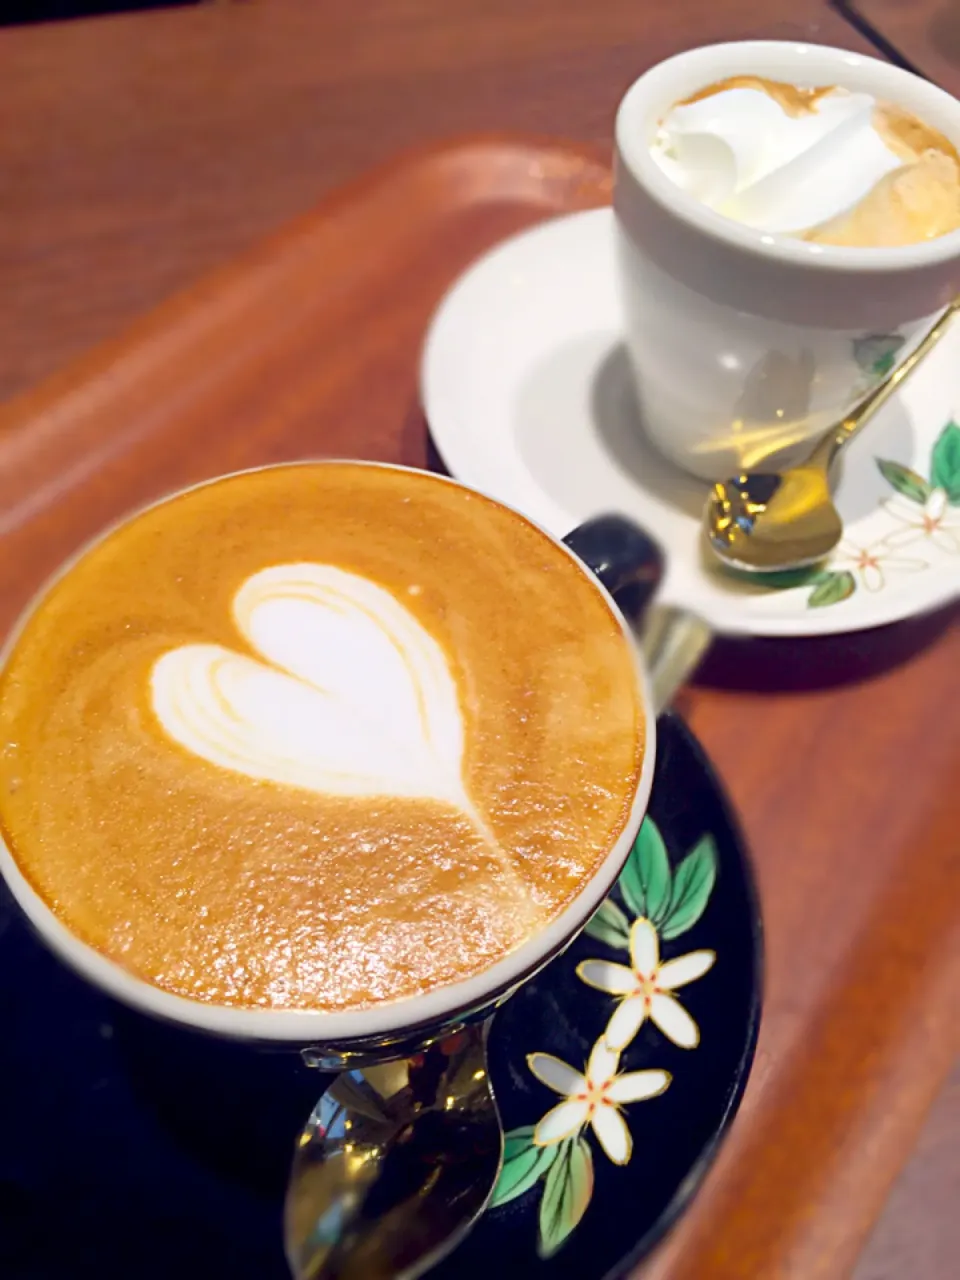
point(16, 12)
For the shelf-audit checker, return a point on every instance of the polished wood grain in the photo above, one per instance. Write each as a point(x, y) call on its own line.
point(137, 152)
point(308, 345)
point(925, 34)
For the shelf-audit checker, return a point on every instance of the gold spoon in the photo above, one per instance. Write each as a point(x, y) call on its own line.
point(765, 522)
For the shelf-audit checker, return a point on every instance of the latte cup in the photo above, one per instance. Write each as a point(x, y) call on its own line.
point(621, 563)
point(744, 345)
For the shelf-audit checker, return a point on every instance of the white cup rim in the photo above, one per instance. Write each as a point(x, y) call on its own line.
point(304, 1027)
point(649, 93)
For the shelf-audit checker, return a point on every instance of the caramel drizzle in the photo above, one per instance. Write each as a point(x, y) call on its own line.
point(793, 100)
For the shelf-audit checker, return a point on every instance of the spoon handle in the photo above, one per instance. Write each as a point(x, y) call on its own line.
point(861, 414)
point(673, 642)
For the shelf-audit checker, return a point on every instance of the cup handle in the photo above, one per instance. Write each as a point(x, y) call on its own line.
point(626, 559)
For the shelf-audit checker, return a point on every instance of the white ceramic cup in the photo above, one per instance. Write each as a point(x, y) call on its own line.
point(745, 344)
point(606, 550)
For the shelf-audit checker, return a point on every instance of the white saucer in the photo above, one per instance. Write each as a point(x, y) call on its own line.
point(526, 389)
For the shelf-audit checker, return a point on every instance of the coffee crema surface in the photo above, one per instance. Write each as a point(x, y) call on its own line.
point(821, 164)
point(317, 736)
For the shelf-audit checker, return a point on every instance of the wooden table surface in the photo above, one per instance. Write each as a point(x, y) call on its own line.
point(137, 152)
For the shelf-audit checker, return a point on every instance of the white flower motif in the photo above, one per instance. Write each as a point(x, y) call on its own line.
point(872, 563)
point(594, 1098)
point(934, 521)
point(647, 987)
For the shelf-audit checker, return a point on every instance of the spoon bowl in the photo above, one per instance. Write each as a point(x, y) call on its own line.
point(799, 523)
point(395, 1164)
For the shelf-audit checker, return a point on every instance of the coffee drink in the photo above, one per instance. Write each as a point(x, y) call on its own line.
point(317, 736)
point(822, 164)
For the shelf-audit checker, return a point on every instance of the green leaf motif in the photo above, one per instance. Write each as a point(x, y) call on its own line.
point(906, 482)
point(608, 924)
point(645, 881)
point(945, 463)
point(876, 353)
point(693, 883)
point(831, 589)
point(524, 1164)
point(783, 579)
point(566, 1194)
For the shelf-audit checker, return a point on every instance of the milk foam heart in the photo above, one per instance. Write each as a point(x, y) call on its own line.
point(353, 698)
point(740, 152)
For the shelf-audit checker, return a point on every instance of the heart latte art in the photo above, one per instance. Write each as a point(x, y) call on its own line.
point(351, 696)
point(316, 737)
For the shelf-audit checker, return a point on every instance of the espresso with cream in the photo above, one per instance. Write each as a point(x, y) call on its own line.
point(821, 164)
point(317, 736)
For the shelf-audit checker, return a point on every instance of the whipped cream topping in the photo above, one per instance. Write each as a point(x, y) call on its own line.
point(349, 695)
point(740, 152)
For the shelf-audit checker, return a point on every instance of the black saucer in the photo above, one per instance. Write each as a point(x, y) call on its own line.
point(130, 1148)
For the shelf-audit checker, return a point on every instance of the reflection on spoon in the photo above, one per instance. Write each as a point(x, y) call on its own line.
point(395, 1164)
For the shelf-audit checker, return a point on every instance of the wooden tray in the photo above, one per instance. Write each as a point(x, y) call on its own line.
point(842, 754)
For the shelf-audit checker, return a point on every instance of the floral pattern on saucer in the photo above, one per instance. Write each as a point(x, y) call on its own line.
point(555, 1151)
point(921, 522)
point(875, 355)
